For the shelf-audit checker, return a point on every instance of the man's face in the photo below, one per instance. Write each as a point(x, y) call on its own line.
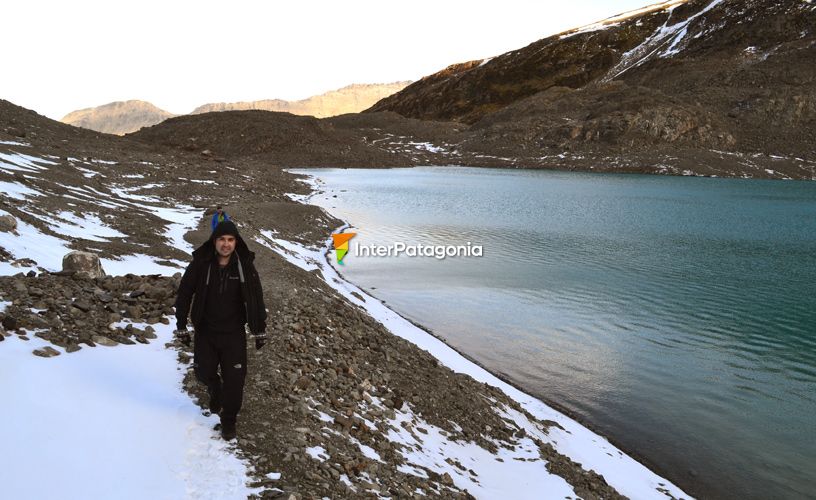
point(225, 245)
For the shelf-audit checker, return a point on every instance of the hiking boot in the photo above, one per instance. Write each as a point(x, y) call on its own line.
point(228, 431)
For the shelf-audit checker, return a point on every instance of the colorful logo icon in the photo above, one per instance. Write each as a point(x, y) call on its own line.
point(341, 245)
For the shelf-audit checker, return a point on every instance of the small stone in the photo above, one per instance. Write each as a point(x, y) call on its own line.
point(303, 383)
point(8, 223)
point(133, 312)
point(81, 305)
point(99, 339)
point(10, 323)
point(46, 352)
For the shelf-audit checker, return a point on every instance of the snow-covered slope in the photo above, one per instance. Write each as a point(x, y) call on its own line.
point(103, 211)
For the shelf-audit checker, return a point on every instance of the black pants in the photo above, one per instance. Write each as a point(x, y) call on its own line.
point(227, 350)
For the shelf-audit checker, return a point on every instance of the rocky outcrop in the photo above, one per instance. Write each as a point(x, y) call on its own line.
point(84, 263)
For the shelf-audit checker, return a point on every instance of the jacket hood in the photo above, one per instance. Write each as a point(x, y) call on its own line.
point(207, 250)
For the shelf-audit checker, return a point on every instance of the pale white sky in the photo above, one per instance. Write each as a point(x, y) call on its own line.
point(59, 56)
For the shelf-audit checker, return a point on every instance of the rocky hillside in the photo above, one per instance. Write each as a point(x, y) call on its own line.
point(276, 138)
point(118, 118)
point(350, 99)
point(715, 87)
point(124, 117)
point(336, 405)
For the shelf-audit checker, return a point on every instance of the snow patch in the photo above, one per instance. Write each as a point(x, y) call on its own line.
point(617, 19)
point(23, 163)
point(88, 173)
point(109, 423)
point(46, 250)
point(17, 191)
point(142, 264)
point(318, 453)
point(516, 472)
point(671, 35)
point(87, 226)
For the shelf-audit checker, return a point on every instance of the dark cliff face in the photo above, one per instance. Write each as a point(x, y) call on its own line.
point(467, 92)
point(726, 75)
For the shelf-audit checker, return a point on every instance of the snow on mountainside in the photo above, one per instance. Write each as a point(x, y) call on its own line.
point(714, 87)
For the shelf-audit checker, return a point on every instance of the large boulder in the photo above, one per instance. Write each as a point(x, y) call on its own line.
point(87, 263)
point(8, 223)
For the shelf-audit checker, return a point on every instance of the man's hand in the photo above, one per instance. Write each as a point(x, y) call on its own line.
point(184, 337)
point(260, 340)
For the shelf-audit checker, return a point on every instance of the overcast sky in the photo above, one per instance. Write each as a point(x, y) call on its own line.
point(59, 56)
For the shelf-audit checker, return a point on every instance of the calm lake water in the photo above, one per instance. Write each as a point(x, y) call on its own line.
point(674, 315)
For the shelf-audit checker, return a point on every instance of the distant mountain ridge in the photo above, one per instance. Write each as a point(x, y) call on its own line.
point(124, 117)
point(120, 117)
point(350, 99)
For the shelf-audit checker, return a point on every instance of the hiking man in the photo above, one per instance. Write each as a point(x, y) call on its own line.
point(225, 290)
point(218, 217)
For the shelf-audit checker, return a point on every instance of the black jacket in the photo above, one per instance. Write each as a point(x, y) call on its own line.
point(197, 277)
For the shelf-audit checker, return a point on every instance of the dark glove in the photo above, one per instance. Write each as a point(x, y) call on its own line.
point(184, 337)
point(260, 340)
